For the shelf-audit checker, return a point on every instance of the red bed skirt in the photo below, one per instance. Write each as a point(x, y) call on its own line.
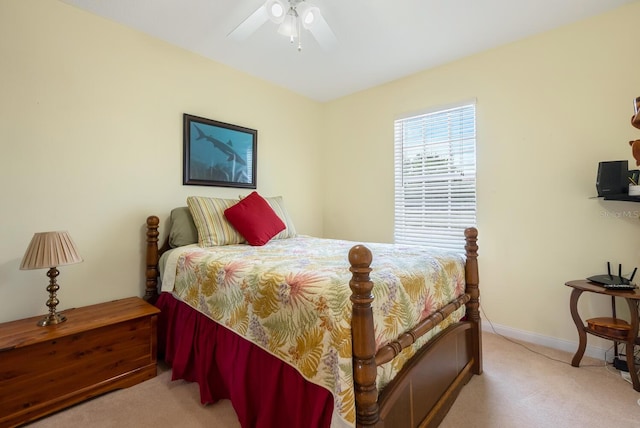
point(264, 391)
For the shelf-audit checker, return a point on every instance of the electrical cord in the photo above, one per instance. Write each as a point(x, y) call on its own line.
point(614, 371)
point(532, 350)
point(607, 366)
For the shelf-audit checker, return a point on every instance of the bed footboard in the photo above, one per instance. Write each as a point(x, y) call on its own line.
point(460, 342)
point(362, 338)
point(472, 278)
point(426, 388)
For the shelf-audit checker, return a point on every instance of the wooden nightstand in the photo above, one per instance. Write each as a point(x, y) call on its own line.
point(98, 349)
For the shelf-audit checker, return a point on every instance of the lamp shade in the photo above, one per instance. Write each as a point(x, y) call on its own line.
point(289, 26)
point(276, 10)
point(308, 14)
point(50, 249)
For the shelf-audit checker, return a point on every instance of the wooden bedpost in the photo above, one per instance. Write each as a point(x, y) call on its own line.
point(151, 293)
point(363, 339)
point(473, 306)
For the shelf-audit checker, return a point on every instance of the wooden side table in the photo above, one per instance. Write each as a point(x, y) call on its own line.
point(607, 328)
point(98, 349)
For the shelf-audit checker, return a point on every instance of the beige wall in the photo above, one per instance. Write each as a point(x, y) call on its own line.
point(91, 142)
point(549, 108)
point(91, 137)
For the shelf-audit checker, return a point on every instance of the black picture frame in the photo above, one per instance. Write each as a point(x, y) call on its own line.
point(218, 153)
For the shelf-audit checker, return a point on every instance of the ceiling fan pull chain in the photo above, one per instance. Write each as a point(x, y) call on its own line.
point(298, 21)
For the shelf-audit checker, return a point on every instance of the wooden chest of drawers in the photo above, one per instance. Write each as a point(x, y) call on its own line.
point(98, 349)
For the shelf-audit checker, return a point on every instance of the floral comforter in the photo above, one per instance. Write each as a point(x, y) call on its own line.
point(291, 298)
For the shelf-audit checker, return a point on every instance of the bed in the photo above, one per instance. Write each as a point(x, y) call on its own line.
point(357, 374)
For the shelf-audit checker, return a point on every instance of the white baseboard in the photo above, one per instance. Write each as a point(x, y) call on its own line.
point(539, 339)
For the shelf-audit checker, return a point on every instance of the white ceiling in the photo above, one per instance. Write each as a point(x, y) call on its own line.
point(378, 40)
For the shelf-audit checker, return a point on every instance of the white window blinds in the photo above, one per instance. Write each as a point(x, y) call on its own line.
point(435, 177)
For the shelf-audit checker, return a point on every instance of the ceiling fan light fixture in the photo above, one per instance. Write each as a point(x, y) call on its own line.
point(292, 17)
point(276, 10)
point(308, 15)
point(289, 26)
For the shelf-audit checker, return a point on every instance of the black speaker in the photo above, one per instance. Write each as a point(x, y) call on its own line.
point(612, 178)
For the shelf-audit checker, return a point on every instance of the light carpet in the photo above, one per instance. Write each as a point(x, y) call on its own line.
point(519, 388)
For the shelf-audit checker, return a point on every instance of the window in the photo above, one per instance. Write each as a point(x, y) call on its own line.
point(435, 177)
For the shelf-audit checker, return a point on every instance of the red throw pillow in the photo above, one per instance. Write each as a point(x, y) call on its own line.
point(254, 219)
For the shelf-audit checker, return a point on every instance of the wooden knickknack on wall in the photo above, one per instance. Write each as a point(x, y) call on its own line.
point(635, 122)
point(610, 172)
point(635, 119)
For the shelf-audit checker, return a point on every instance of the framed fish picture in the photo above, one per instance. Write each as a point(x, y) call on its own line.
point(219, 154)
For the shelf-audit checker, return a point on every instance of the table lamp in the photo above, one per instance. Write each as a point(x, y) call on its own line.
point(50, 250)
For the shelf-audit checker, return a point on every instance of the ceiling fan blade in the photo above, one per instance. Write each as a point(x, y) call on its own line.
point(320, 30)
point(250, 25)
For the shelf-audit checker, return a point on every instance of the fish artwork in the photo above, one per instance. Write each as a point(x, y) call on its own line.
point(224, 148)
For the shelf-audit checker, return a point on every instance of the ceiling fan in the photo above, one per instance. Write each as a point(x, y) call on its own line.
point(292, 16)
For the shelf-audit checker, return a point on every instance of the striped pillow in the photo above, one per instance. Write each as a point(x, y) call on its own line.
point(213, 228)
point(277, 203)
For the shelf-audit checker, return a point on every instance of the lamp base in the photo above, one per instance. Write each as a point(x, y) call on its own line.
point(52, 319)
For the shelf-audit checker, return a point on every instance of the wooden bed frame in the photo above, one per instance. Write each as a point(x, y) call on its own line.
point(426, 387)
